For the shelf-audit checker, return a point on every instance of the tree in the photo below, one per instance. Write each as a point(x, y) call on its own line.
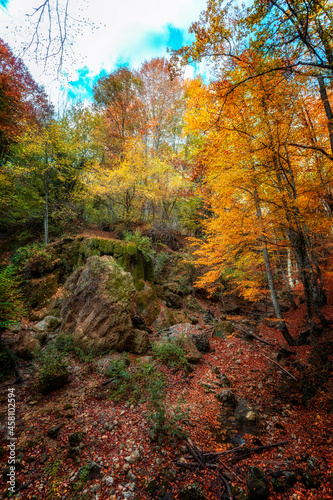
point(117, 97)
point(263, 195)
point(22, 101)
point(163, 104)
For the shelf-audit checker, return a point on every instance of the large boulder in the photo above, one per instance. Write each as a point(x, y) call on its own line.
point(28, 345)
point(196, 333)
point(48, 324)
point(147, 304)
point(99, 305)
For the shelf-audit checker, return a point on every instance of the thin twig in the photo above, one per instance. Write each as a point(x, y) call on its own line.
point(281, 367)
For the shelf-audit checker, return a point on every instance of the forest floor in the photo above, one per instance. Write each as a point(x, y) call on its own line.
point(116, 434)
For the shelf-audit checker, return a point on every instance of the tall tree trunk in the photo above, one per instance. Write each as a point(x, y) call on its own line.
point(277, 309)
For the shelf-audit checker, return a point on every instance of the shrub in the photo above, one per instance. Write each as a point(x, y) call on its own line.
point(161, 261)
point(65, 344)
point(23, 254)
point(171, 353)
point(142, 242)
point(11, 302)
point(53, 373)
point(130, 383)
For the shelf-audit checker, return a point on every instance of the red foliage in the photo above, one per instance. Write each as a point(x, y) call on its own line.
point(22, 101)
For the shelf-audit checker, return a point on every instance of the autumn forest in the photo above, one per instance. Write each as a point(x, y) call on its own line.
point(166, 272)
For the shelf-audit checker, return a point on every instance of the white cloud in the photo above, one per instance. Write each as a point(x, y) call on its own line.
point(114, 30)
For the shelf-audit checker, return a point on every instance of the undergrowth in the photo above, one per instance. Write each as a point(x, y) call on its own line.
point(171, 352)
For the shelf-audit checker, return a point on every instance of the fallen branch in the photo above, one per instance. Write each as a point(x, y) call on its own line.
point(258, 449)
point(281, 367)
point(250, 335)
point(106, 382)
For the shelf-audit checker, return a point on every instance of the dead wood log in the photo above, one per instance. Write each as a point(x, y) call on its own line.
point(258, 449)
point(250, 336)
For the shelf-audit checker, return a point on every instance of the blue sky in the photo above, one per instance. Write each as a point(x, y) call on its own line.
point(103, 34)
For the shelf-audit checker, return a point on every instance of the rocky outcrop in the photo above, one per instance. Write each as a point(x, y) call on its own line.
point(99, 305)
point(198, 336)
point(48, 268)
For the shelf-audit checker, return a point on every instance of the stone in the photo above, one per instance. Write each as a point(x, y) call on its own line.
point(196, 333)
point(133, 457)
point(99, 305)
point(192, 491)
point(172, 300)
point(140, 342)
point(109, 481)
point(251, 416)
point(164, 319)
point(227, 397)
point(191, 352)
point(257, 484)
point(48, 324)
point(27, 346)
point(89, 471)
point(308, 480)
point(75, 438)
point(147, 304)
point(54, 431)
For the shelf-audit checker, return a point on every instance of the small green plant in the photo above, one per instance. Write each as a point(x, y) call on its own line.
point(161, 261)
point(52, 470)
point(53, 372)
point(83, 478)
point(11, 302)
point(23, 254)
point(65, 344)
point(142, 242)
point(130, 383)
point(163, 422)
point(171, 352)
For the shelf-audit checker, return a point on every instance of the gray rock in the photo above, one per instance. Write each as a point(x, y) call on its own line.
point(140, 342)
point(133, 457)
point(99, 305)
point(109, 481)
point(75, 438)
point(257, 484)
point(192, 491)
point(54, 431)
point(90, 471)
point(198, 336)
point(227, 397)
point(48, 324)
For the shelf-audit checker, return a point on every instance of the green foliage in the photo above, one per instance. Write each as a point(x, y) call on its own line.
point(130, 383)
point(171, 353)
point(7, 361)
point(65, 344)
point(11, 302)
point(23, 254)
point(161, 261)
point(52, 471)
point(142, 242)
point(53, 372)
